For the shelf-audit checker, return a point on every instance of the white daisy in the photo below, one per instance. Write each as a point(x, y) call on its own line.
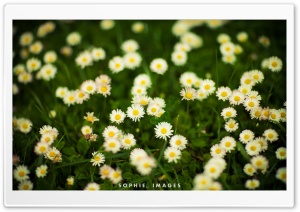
point(282, 113)
point(265, 63)
point(179, 142)
point(212, 170)
point(18, 69)
point(231, 125)
point(259, 162)
point(128, 141)
point(47, 138)
point(223, 38)
point(112, 145)
point(182, 47)
point(88, 86)
point(159, 66)
point(90, 117)
point(217, 151)
point(247, 79)
point(216, 186)
point(202, 182)
point(254, 95)
point(24, 125)
point(138, 90)
point(105, 171)
point(223, 93)
point(115, 176)
point(159, 101)
point(36, 47)
point(103, 79)
point(26, 39)
point(141, 99)
point(242, 37)
point(145, 165)
point(274, 115)
point(116, 64)
point(179, 57)
point(135, 112)
point(70, 181)
point(208, 86)
point(117, 116)
point(263, 143)
point(25, 78)
point(73, 39)
point(253, 148)
point(257, 76)
point(230, 59)
point(201, 94)
point(84, 59)
point(281, 153)
point(228, 143)
point(245, 89)
point(138, 27)
point(111, 132)
point(251, 103)
point(92, 187)
point(227, 48)
point(132, 60)
point(246, 136)
point(188, 93)
point(142, 80)
point(41, 148)
point(271, 135)
point(163, 130)
point(85, 130)
point(41, 171)
point(252, 184)
point(130, 46)
point(61, 92)
point(191, 39)
point(281, 174)
point(81, 96)
point(172, 154)
point(153, 109)
point(249, 169)
point(228, 112)
point(97, 158)
point(104, 89)
point(136, 155)
point(275, 64)
point(50, 57)
point(107, 24)
point(48, 72)
point(98, 54)
point(265, 113)
point(21, 173)
point(236, 98)
point(25, 185)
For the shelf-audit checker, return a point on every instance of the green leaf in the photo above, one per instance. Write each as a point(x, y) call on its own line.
point(186, 157)
point(127, 175)
point(199, 143)
point(241, 149)
point(69, 151)
point(83, 146)
point(165, 117)
point(60, 145)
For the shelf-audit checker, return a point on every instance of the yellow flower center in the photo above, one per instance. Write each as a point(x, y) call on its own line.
point(153, 110)
point(246, 136)
point(48, 72)
point(258, 163)
point(247, 81)
point(227, 144)
point(158, 66)
point(283, 176)
point(256, 77)
point(26, 187)
point(172, 154)
point(250, 170)
point(207, 87)
point(47, 139)
point(228, 114)
point(146, 165)
point(117, 117)
point(117, 65)
point(270, 135)
point(103, 89)
point(42, 149)
point(97, 158)
point(116, 175)
point(224, 94)
point(283, 115)
point(189, 81)
point(111, 134)
point(253, 148)
point(52, 154)
point(127, 141)
point(274, 64)
point(84, 59)
point(25, 126)
point(244, 91)
point(227, 48)
point(90, 119)
point(178, 142)
point(212, 170)
point(251, 104)
point(135, 112)
point(43, 171)
point(163, 130)
point(252, 184)
point(112, 144)
point(266, 113)
point(105, 172)
point(273, 116)
point(218, 151)
point(21, 174)
point(179, 56)
point(143, 82)
point(203, 182)
point(188, 95)
point(282, 154)
point(231, 125)
point(71, 98)
point(143, 102)
point(131, 60)
point(89, 88)
point(87, 131)
point(237, 98)
point(257, 114)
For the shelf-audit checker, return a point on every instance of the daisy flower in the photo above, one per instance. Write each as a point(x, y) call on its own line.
point(48, 129)
point(25, 185)
point(281, 153)
point(265, 41)
point(115, 176)
point(24, 125)
point(73, 39)
point(85, 130)
point(236, 98)
point(18, 69)
point(201, 94)
point(41, 148)
point(41, 171)
point(48, 72)
point(97, 158)
point(217, 151)
point(132, 60)
point(105, 171)
point(92, 187)
point(103, 79)
point(141, 99)
point(250, 103)
point(153, 109)
point(246, 136)
point(187, 79)
point(138, 90)
point(216, 186)
point(212, 170)
point(188, 93)
point(158, 66)
point(265, 63)
point(128, 141)
point(66, 51)
point(53, 154)
point(179, 57)
point(163, 130)
point(84, 59)
point(223, 93)
point(238, 49)
point(117, 116)
point(36, 47)
point(198, 82)
point(274, 115)
point(138, 27)
point(252, 184)
point(26, 39)
point(245, 89)
point(88, 86)
point(275, 64)
point(257, 76)
point(259, 162)
point(253, 148)
point(254, 95)
point(208, 86)
point(281, 174)
point(223, 38)
point(247, 79)
point(98, 54)
point(130, 46)
point(81, 96)
point(111, 132)
point(90, 117)
point(116, 64)
point(107, 24)
point(249, 169)
point(112, 145)
point(50, 57)
point(136, 155)
point(191, 39)
point(242, 37)
point(227, 48)
point(231, 125)
point(179, 142)
point(24, 53)
point(135, 112)
point(142, 80)
point(159, 101)
point(104, 89)
point(265, 113)
point(263, 143)
point(202, 182)
point(47, 138)
point(145, 165)
point(25, 78)
point(70, 181)
point(271, 135)
point(230, 59)
point(179, 28)
point(228, 143)
point(282, 113)
point(61, 92)
point(182, 47)
point(228, 112)
point(21, 173)
point(172, 154)
point(15, 89)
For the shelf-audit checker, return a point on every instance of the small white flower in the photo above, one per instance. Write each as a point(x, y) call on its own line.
point(85, 130)
point(231, 125)
point(172, 154)
point(116, 64)
point(142, 80)
point(223, 93)
point(163, 130)
point(84, 59)
point(271, 135)
point(179, 57)
point(88, 86)
point(132, 60)
point(117, 116)
point(275, 64)
point(128, 141)
point(178, 141)
point(253, 148)
point(135, 112)
point(217, 151)
point(227, 48)
point(111, 132)
point(97, 158)
point(98, 54)
point(281, 153)
point(112, 145)
point(228, 143)
point(246, 136)
point(130, 46)
point(188, 93)
point(249, 169)
point(228, 112)
point(159, 66)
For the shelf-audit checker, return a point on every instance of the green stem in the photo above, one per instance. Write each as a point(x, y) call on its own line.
point(162, 150)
